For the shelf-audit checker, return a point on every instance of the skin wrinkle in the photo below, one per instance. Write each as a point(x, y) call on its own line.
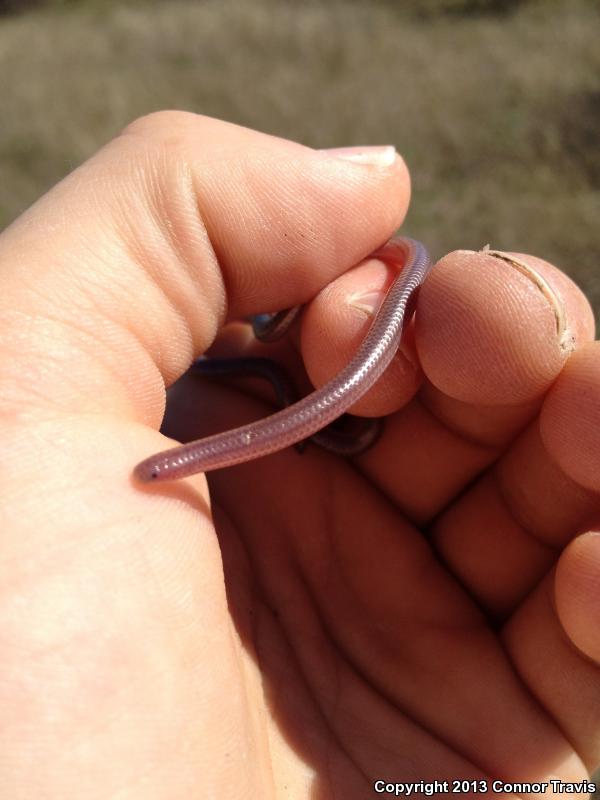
point(354, 667)
point(46, 460)
point(351, 662)
point(213, 276)
point(328, 635)
point(348, 658)
point(253, 621)
point(546, 586)
point(559, 426)
point(152, 766)
point(259, 215)
point(520, 521)
point(458, 432)
point(261, 600)
point(583, 498)
point(333, 697)
point(529, 370)
point(328, 717)
point(417, 521)
point(74, 323)
point(82, 335)
point(159, 202)
point(204, 192)
point(215, 255)
point(25, 563)
point(564, 637)
point(251, 715)
point(174, 317)
point(494, 620)
point(142, 360)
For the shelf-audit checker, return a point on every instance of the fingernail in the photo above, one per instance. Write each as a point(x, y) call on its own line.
point(379, 156)
point(367, 302)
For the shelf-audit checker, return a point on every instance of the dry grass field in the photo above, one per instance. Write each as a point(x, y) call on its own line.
point(497, 115)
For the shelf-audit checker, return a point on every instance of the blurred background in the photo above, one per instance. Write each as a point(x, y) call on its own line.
point(495, 104)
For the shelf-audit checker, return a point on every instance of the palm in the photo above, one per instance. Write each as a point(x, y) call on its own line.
point(377, 661)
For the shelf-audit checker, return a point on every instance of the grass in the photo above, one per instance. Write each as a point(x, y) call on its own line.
point(497, 116)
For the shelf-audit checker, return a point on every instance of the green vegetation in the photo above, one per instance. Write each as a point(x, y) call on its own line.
point(497, 114)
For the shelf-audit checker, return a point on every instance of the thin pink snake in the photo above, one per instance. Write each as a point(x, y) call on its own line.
point(312, 413)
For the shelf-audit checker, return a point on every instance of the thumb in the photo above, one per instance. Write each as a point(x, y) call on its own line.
point(135, 260)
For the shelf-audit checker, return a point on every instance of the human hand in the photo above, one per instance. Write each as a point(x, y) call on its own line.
point(427, 611)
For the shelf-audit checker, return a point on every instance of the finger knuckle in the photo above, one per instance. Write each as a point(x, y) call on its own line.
point(159, 126)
